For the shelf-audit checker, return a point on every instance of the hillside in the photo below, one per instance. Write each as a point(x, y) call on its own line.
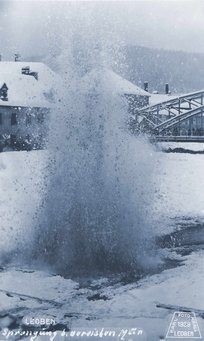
point(183, 71)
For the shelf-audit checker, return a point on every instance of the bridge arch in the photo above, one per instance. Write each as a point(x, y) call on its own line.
point(157, 118)
point(178, 119)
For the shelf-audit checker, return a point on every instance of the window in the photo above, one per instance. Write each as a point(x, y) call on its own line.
point(13, 119)
point(13, 140)
point(28, 119)
point(41, 118)
point(4, 92)
point(1, 119)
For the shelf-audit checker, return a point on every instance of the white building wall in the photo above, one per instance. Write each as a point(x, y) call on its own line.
point(31, 124)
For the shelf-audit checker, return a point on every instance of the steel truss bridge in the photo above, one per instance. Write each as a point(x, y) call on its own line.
point(180, 118)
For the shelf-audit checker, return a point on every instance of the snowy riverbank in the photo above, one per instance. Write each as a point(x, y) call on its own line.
point(130, 306)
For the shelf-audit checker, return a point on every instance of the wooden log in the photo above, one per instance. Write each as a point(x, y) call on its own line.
point(198, 312)
point(23, 296)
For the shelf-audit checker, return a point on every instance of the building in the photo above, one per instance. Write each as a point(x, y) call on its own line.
point(26, 97)
point(101, 79)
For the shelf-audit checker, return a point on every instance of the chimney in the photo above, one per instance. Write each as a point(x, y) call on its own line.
point(25, 70)
point(146, 86)
point(34, 74)
point(166, 88)
point(17, 57)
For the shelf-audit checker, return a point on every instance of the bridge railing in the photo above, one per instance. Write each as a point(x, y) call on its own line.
point(172, 101)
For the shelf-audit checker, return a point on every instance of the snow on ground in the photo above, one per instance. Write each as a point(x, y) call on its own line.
point(180, 182)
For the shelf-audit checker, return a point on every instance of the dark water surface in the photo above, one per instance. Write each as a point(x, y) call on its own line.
point(188, 237)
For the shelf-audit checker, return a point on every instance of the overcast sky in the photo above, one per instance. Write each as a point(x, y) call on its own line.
point(28, 26)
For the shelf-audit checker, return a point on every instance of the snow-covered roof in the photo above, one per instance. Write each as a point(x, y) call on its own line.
point(101, 79)
point(24, 89)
